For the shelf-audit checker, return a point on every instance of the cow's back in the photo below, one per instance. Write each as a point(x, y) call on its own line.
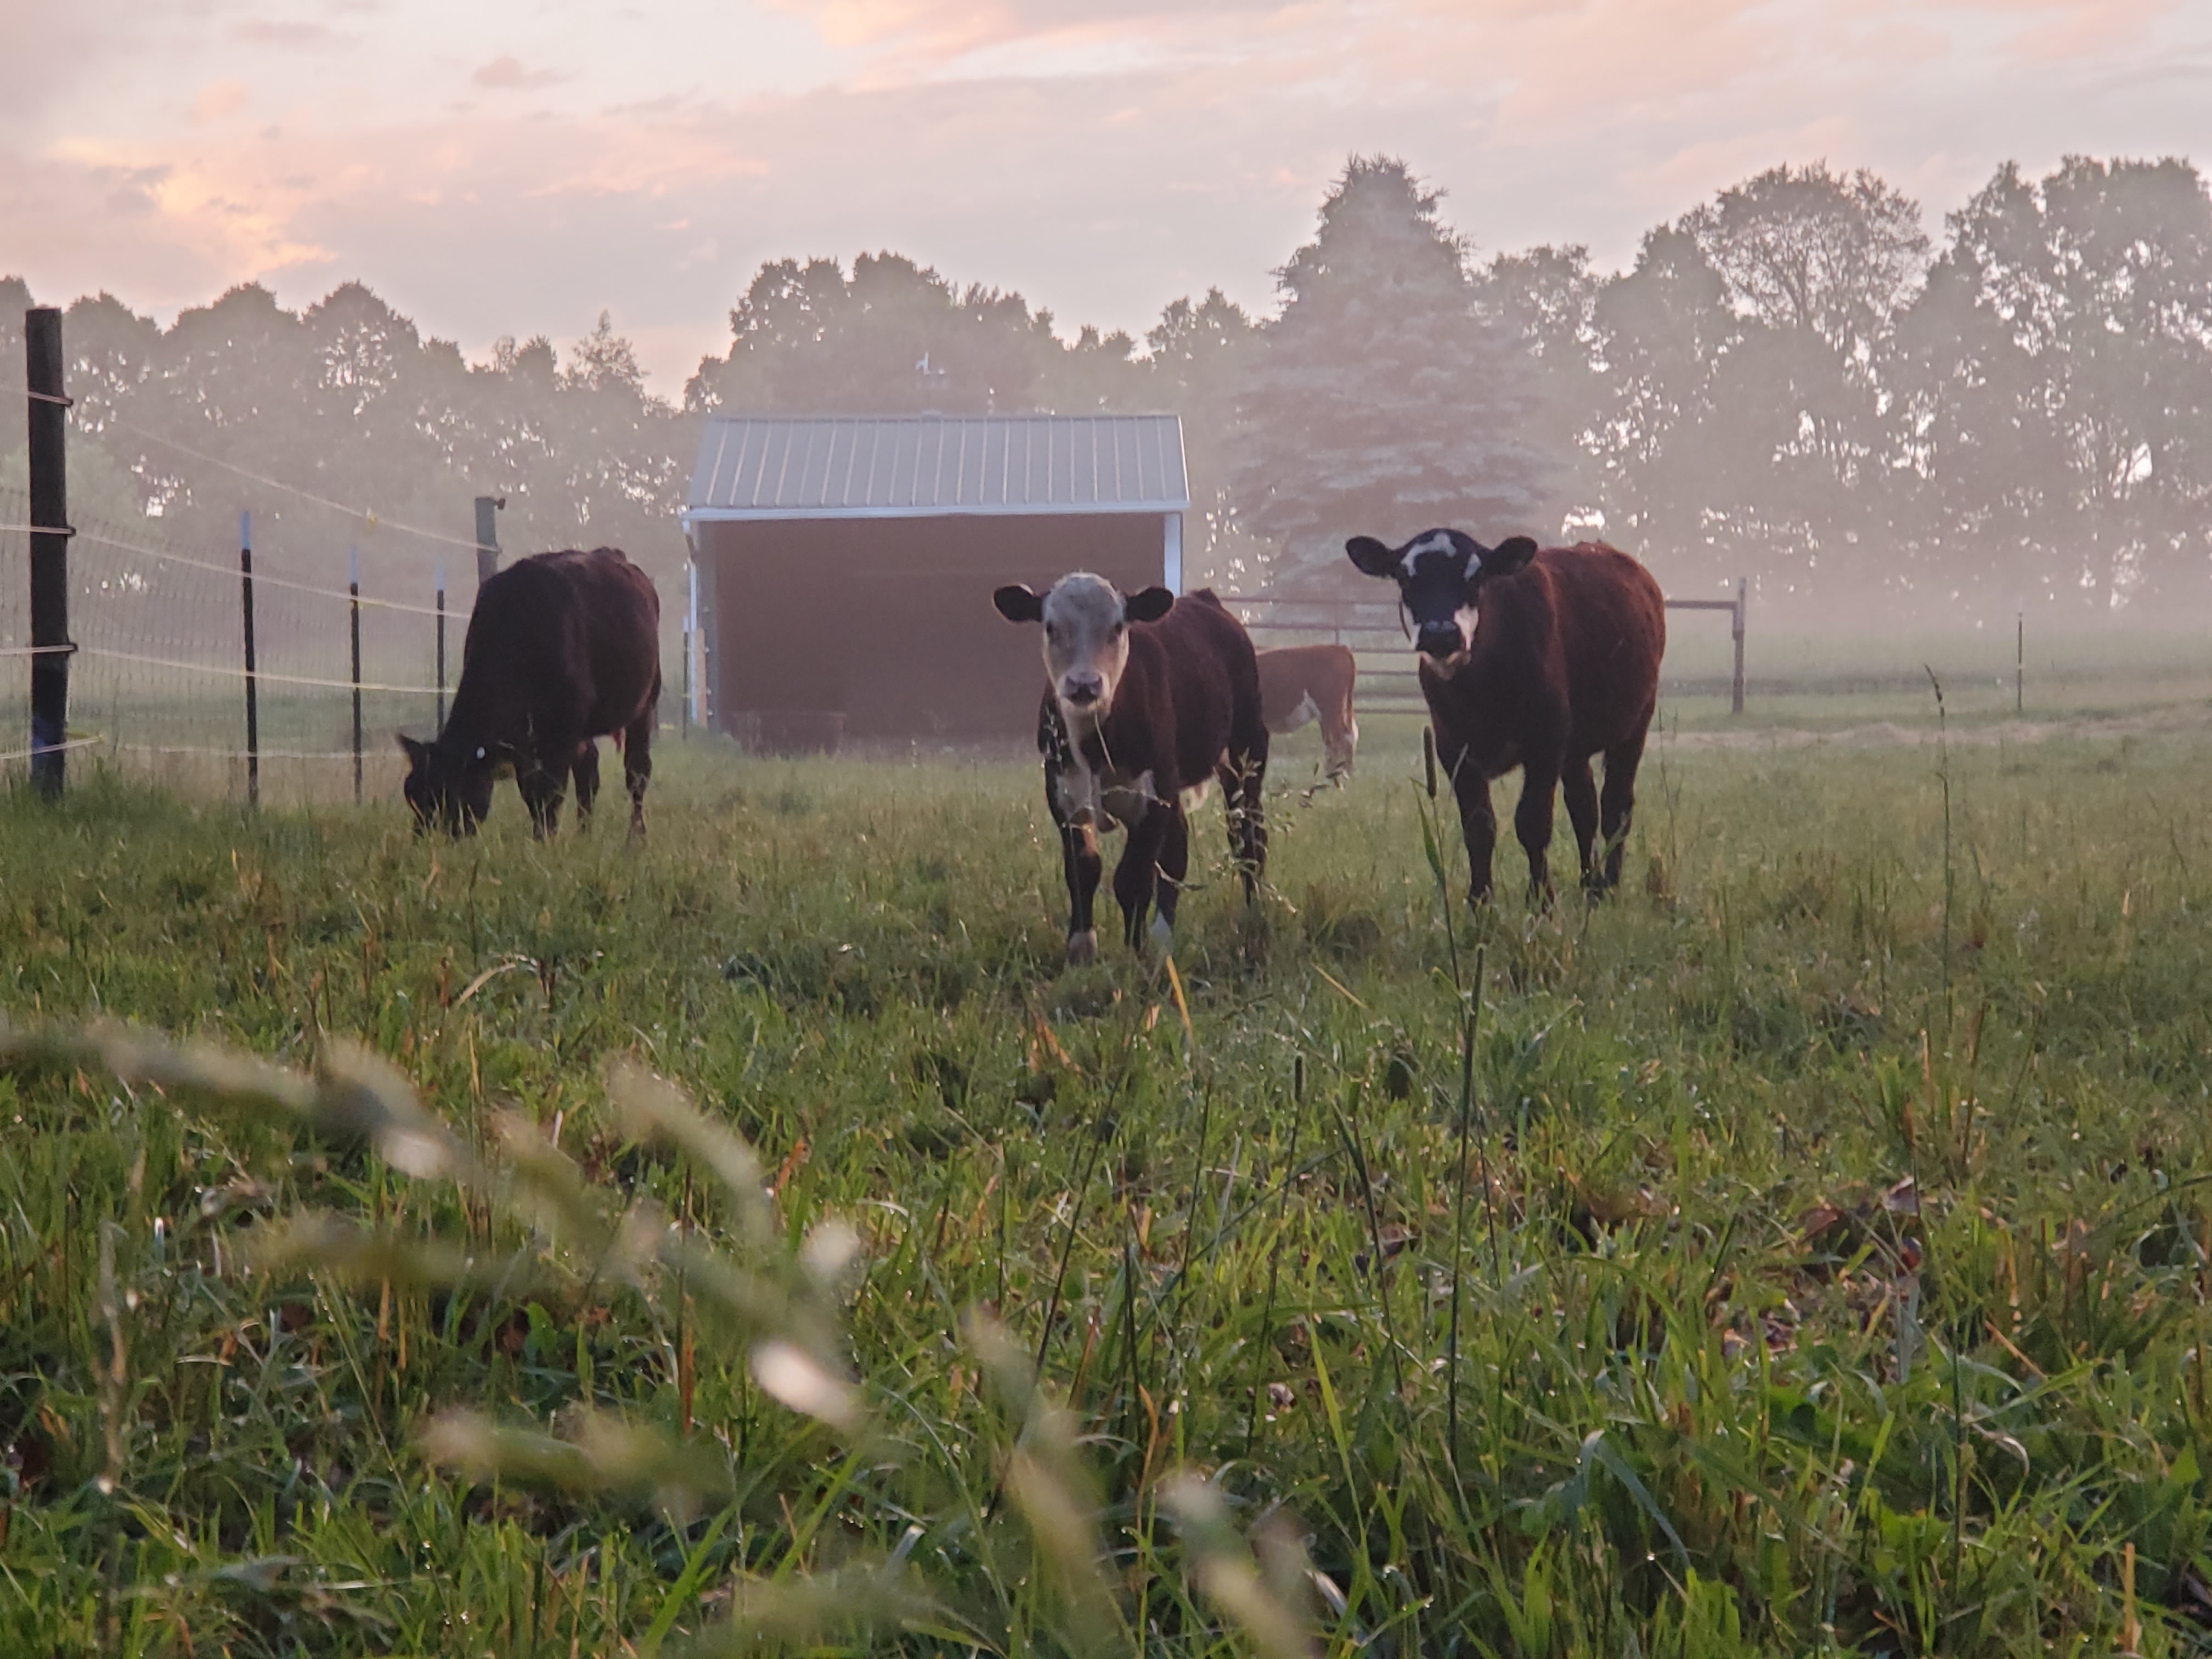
point(1612, 622)
point(621, 633)
point(573, 635)
point(1214, 676)
point(1289, 675)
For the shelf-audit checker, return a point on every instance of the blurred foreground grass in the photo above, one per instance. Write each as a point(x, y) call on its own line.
point(1826, 1271)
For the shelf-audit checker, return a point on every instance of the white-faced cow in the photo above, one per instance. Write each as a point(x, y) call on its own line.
point(1302, 684)
point(1539, 660)
point(1150, 698)
point(562, 649)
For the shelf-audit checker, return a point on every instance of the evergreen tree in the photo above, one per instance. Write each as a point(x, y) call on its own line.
point(1383, 401)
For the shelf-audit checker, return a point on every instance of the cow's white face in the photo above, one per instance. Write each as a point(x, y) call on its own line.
point(1086, 639)
point(1440, 577)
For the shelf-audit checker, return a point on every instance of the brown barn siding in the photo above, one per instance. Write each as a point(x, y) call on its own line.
point(889, 622)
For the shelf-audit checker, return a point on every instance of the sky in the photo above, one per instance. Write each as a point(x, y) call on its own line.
point(514, 167)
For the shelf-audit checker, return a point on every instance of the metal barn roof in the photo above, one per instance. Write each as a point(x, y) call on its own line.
point(839, 466)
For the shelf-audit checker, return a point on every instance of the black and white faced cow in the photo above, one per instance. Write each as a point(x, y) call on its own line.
point(1539, 660)
point(1150, 698)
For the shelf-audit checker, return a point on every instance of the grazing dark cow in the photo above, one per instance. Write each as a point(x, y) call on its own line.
point(1150, 698)
point(562, 649)
point(1301, 683)
point(1538, 660)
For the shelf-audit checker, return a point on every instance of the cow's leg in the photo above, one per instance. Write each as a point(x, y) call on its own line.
point(1478, 819)
point(637, 759)
point(1080, 858)
point(1532, 822)
point(586, 769)
point(1341, 742)
point(544, 783)
point(1136, 875)
point(1580, 793)
point(1618, 805)
point(1078, 844)
point(1174, 863)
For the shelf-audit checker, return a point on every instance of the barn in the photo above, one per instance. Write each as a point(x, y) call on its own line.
point(845, 564)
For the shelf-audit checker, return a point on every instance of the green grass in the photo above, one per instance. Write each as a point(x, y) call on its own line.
point(1817, 1289)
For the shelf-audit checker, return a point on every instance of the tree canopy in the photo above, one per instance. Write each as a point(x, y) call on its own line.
point(1792, 382)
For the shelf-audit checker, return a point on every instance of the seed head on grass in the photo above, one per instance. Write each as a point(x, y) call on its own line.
point(1264, 1602)
point(599, 1454)
point(1052, 1492)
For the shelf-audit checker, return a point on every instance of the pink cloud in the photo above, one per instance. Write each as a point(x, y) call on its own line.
point(222, 99)
point(2067, 30)
point(505, 73)
point(933, 31)
point(1101, 156)
point(287, 33)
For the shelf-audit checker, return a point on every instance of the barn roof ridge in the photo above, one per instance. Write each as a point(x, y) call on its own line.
point(781, 467)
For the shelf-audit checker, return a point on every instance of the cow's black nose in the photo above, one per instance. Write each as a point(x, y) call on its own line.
point(1441, 641)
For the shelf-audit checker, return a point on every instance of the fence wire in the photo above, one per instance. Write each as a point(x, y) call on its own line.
point(157, 684)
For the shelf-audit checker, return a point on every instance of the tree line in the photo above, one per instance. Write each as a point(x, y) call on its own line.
point(1793, 382)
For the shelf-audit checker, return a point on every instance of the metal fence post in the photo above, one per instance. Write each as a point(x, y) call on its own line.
point(690, 631)
point(488, 536)
point(441, 726)
point(709, 626)
point(2020, 661)
point(252, 702)
point(353, 606)
point(48, 421)
point(1735, 686)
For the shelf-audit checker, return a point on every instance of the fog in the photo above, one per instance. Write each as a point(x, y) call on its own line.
point(1891, 427)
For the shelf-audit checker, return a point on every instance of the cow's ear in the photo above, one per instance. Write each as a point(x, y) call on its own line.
point(1509, 555)
point(1017, 604)
point(1148, 605)
point(1371, 556)
point(417, 750)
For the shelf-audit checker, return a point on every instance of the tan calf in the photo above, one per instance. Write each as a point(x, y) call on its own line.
point(1302, 684)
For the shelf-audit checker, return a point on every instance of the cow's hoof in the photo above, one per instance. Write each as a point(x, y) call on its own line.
point(1083, 949)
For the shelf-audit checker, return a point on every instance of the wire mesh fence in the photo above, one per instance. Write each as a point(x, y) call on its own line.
point(158, 678)
point(1376, 633)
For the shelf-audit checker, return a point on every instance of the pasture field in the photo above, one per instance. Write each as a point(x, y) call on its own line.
point(1804, 1252)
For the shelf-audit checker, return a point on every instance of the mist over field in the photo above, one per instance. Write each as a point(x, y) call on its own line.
point(1884, 423)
